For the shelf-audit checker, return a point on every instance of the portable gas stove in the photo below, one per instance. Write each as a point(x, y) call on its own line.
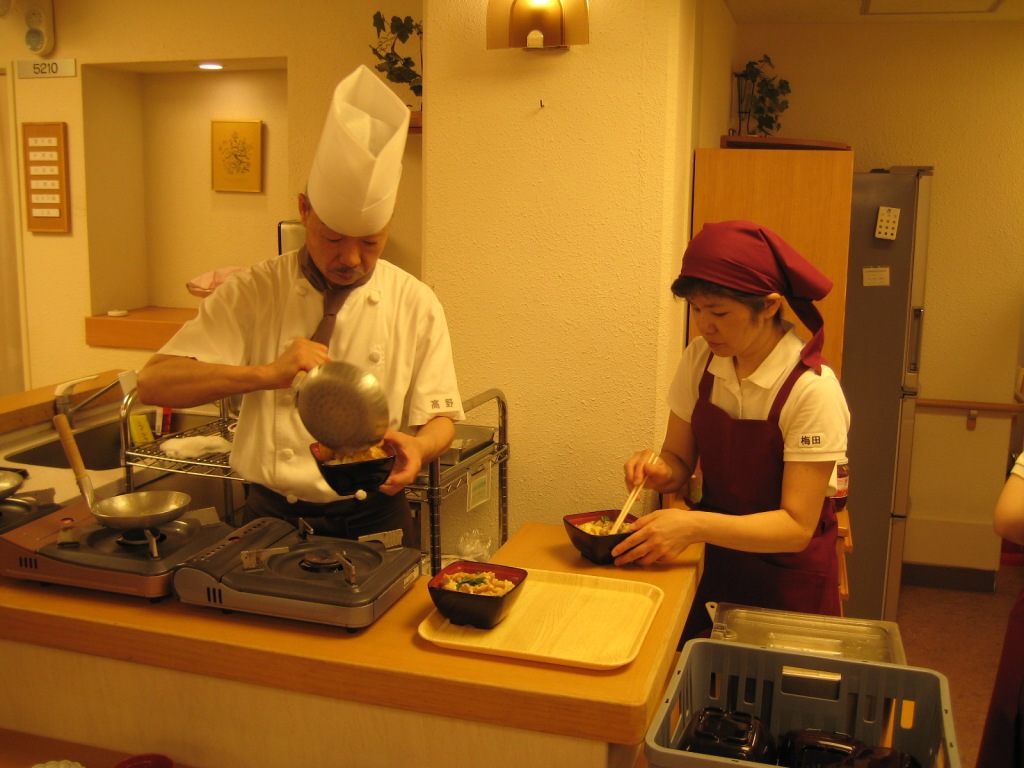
point(69, 546)
point(271, 568)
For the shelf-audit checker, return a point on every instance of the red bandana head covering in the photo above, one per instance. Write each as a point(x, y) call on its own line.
point(745, 257)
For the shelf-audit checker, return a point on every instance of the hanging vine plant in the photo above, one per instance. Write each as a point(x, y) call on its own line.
point(396, 67)
point(761, 98)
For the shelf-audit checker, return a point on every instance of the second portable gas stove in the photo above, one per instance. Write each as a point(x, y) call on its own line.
point(271, 568)
point(69, 546)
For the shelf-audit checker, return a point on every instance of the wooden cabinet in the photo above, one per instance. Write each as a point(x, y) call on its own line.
point(804, 195)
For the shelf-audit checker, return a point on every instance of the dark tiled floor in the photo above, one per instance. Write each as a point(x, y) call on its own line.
point(960, 634)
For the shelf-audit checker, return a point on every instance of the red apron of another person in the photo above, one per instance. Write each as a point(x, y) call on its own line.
point(1002, 741)
point(742, 462)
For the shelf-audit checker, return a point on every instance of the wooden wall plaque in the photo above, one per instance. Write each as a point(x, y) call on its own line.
point(44, 148)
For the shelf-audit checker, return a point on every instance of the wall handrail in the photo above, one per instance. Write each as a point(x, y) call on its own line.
point(970, 405)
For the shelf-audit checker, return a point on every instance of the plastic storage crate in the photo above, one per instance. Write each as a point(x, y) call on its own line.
point(905, 708)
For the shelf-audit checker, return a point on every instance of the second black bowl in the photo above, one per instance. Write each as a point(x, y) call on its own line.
point(597, 549)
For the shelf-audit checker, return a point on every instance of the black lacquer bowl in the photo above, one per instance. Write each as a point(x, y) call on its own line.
point(346, 478)
point(597, 549)
point(481, 611)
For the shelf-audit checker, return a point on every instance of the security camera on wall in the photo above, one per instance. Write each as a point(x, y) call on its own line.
point(39, 18)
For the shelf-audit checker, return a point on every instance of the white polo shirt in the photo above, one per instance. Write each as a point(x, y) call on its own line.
point(1018, 466)
point(814, 421)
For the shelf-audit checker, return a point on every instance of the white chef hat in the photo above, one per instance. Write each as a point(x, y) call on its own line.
point(358, 163)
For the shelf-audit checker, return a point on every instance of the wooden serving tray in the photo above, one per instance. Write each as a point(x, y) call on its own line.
point(562, 618)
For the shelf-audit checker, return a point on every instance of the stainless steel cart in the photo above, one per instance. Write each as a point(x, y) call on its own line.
point(447, 474)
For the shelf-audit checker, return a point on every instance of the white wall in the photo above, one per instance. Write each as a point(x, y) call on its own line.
point(320, 46)
point(12, 375)
point(939, 94)
point(552, 228)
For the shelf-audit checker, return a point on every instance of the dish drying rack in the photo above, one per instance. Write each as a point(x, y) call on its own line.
point(433, 485)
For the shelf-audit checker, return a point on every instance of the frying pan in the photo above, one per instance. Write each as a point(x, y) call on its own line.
point(10, 482)
point(141, 509)
point(342, 406)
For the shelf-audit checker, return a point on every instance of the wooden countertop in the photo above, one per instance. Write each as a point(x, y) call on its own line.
point(386, 664)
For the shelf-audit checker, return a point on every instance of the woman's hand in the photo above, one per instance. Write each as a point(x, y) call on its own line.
point(644, 467)
point(658, 537)
point(678, 456)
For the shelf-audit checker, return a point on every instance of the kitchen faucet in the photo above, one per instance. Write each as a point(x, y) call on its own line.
point(63, 392)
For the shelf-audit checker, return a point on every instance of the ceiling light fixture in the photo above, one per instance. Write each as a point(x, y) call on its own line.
point(212, 65)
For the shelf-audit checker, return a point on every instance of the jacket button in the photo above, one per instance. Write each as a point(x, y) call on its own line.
point(291, 498)
point(287, 454)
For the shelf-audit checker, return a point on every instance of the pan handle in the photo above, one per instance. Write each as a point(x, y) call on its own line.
point(70, 445)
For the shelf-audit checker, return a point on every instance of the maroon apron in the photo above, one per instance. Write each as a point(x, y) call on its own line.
point(1002, 741)
point(742, 462)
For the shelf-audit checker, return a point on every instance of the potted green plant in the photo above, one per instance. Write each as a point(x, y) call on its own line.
point(761, 98)
point(396, 67)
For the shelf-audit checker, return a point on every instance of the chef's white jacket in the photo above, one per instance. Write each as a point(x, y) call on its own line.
point(392, 326)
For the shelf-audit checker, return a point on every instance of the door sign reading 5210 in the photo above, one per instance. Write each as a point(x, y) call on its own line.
point(54, 68)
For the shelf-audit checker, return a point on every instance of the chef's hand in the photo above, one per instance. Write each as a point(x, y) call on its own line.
point(300, 355)
point(640, 469)
point(660, 536)
point(408, 461)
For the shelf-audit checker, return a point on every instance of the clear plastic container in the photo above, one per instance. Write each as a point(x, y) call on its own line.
point(809, 633)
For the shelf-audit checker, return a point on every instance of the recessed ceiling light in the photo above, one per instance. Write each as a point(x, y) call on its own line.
point(211, 65)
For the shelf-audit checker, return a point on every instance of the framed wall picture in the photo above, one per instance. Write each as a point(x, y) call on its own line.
point(236, 151)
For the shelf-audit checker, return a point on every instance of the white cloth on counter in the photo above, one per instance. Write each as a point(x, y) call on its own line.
point(194, 447)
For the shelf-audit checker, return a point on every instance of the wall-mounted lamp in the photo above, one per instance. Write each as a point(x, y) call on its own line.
point(537, 24)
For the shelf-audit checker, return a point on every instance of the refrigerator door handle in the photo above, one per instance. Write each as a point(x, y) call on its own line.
point(914, 339)
point(916, 329)
point(904, 449)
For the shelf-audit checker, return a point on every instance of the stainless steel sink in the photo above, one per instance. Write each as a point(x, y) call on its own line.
point(100, 447)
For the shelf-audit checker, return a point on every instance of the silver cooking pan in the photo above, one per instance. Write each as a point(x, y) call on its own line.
point(141, 509)
point(10, 482)
point(342, 406)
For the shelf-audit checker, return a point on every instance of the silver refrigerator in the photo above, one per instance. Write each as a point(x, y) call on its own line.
point(881, 364)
